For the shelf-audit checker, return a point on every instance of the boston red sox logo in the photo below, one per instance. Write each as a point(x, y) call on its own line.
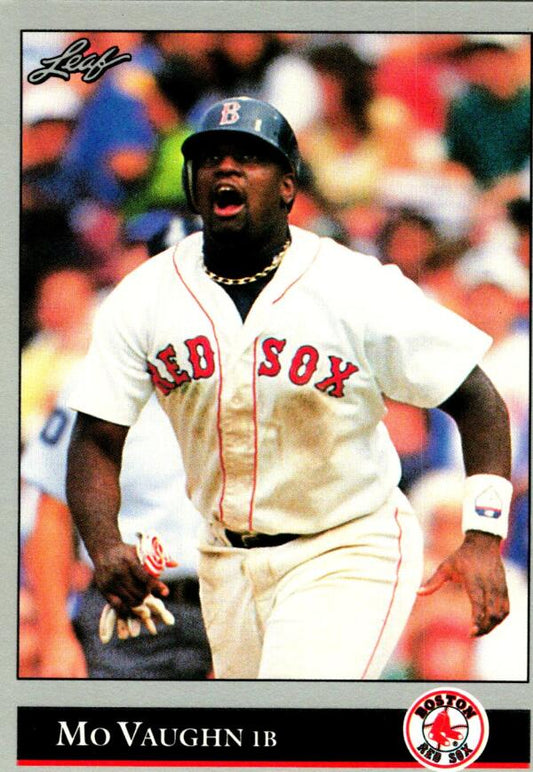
point(446, 728)
point(440, 730)
point(300, 365)
point(230, 113)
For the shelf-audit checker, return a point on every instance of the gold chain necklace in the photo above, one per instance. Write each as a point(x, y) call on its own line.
point(276, 260)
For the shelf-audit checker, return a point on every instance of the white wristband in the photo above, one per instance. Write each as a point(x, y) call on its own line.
point(486, 504)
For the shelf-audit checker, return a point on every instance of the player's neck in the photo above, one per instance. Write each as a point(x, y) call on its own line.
point(236, 258)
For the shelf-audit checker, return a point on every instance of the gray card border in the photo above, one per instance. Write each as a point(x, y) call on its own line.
point(294, 15)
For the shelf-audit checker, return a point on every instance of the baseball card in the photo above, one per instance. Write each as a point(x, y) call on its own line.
point(267, 453)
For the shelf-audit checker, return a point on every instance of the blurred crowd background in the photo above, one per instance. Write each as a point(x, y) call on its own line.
point(416, 149)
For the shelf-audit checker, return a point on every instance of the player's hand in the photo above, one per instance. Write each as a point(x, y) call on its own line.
point(62, 656)
point(122, 579)
point(477, 565)
point(152, 559)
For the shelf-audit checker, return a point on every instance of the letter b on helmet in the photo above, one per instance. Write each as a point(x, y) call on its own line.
point(230, 113)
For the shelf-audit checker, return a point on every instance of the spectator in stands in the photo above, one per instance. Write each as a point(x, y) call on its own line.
point(169, 96)
point(408, 239)
point(197, 49)
point(290, 82)
point(111, 145)
point(439, 278)
point(65, 303)
point(49, 116)
point(412, 71)
point(488, 127)
point(241, 60)
point(337, 144)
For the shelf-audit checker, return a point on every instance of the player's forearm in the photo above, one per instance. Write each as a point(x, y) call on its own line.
point(93, 491)
point(483, 422)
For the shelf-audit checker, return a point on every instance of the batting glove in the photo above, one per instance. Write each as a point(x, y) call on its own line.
point(154, 559)
point(152, 554)
point(126, 628)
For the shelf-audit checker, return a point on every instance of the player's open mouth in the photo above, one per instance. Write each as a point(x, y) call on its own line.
point(227, 201)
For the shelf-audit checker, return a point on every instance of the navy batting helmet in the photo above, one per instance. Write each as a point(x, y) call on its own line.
point(241, 115)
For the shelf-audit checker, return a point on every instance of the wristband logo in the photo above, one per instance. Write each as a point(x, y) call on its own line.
point(446, 729)
point(488, 504)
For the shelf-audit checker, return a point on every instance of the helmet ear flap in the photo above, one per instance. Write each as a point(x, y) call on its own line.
point(187, 179)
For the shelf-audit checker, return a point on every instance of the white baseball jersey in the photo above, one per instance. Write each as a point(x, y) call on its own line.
point(279, 418)
point(152, 479)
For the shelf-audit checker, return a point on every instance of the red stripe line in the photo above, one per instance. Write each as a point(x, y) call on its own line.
point(273, 763)
point(256, 446)
point(297, 278)
point(219, 396)
point(398, 565)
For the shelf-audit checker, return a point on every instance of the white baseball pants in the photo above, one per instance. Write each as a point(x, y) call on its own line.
point(328, 606)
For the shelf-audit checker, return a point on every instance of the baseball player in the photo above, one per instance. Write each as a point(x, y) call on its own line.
point(271, 349)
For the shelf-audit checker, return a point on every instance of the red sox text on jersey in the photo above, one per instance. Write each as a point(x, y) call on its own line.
point(301, 367)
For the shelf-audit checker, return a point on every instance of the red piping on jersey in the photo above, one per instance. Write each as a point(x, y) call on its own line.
point(398, 565)
point(297, 278)
point(219, 395)
point(256, 449)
